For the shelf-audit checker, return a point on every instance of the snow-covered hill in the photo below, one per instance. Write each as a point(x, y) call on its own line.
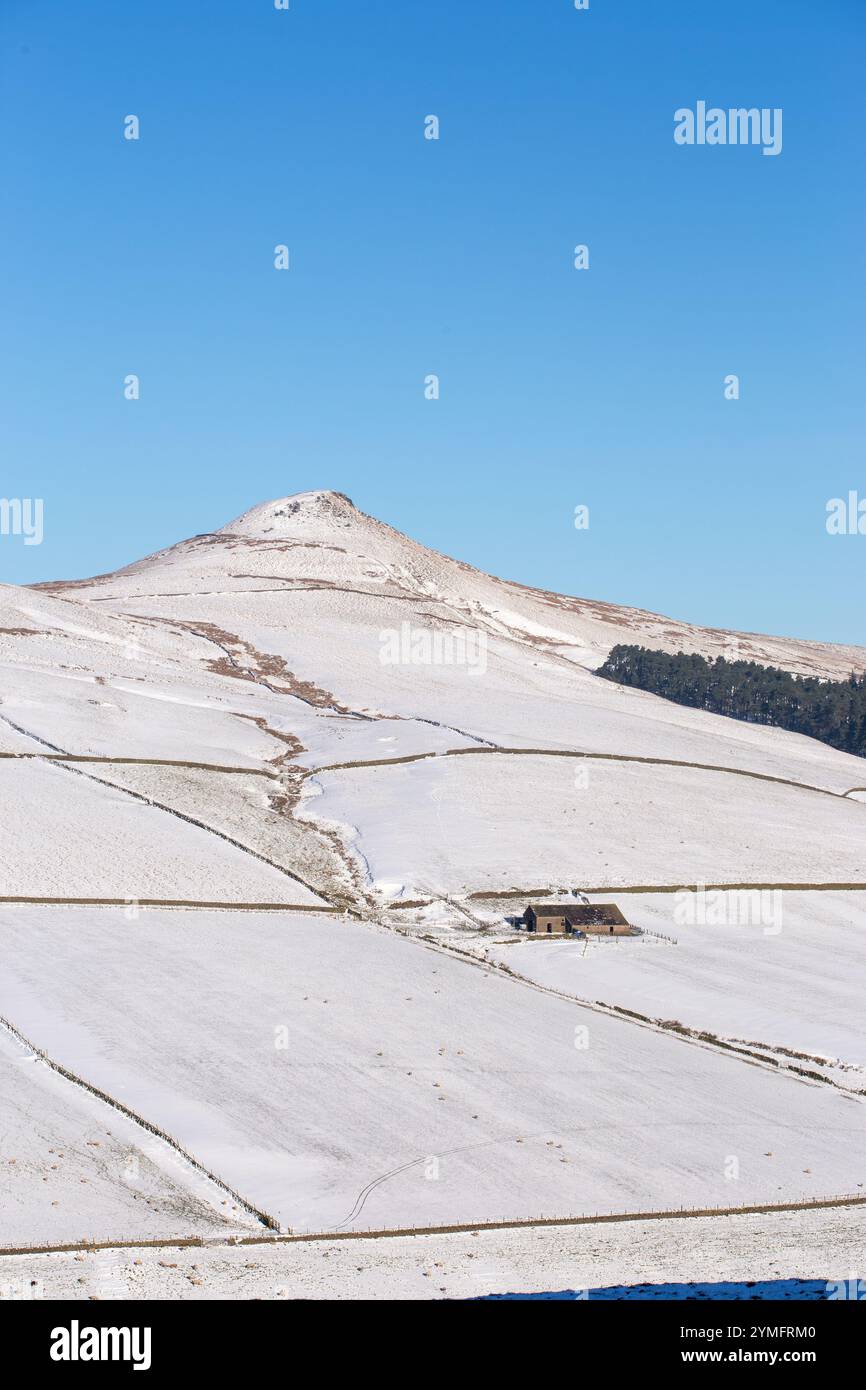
point(320, 541)
point(307, 713)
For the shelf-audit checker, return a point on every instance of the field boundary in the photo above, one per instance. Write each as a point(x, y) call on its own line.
point(263, 1216)
point(451, 1228)
point(504, 894)
point(572, 753)
point(142, 762)
point(184, 903)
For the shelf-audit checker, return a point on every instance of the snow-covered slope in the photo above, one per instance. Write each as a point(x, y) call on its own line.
point(319, 540)
point(73, 1169)
point(341, 1077)
point(309, 598)
point(308, 709)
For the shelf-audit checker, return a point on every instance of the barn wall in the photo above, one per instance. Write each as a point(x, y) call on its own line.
point(557, 925)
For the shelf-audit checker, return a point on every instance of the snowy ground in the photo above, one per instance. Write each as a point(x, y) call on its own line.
point(496, 822)
point(72, 1168)
point(825, 1247)
point(340, 1076)
point(794, 985)
point(73, 837)
point(333, 1071)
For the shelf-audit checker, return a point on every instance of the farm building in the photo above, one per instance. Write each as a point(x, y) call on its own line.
point(566, 919)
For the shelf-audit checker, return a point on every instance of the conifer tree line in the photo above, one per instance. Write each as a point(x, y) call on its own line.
point(832, 711)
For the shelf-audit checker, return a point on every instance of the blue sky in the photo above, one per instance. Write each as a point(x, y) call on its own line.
point(453, 257)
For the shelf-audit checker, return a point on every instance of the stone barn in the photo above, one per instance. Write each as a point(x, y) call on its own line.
point(578, 919)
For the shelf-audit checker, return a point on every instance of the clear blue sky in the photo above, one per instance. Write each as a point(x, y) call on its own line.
point(454, 257)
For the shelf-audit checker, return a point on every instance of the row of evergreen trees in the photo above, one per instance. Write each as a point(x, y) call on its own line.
point(833, 711)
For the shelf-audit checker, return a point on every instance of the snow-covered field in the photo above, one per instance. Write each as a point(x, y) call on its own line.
point(72, 837)
point(332, 1071)
point(340, 1076)
point(824, 1247)
point(495, 822)
point(75, 1169)
point(792, 981)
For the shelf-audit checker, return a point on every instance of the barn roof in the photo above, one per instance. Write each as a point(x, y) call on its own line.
point(582, 915)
